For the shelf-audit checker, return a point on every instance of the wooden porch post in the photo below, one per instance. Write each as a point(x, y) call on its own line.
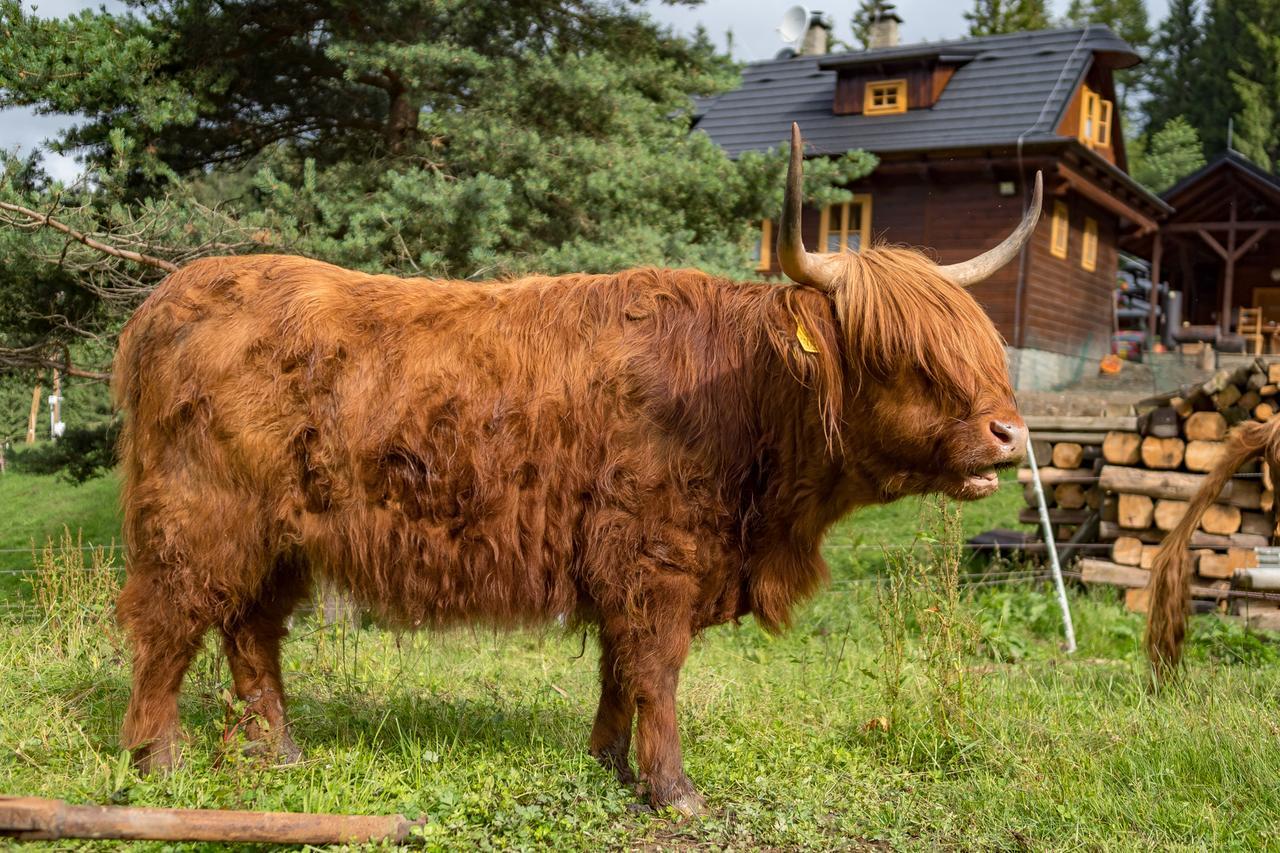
point(1157, 251)
point(1228, 281)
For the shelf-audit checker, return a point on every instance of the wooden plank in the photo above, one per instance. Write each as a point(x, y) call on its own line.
point(1056, 516)
point(1176, 485)
point(1078, 436)
point(1080, 423)
point(1109, 531)
point(1053, 476)
point(1113, 574)
point(1104, 571)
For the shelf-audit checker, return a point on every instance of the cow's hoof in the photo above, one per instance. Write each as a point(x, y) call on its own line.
point(279, 750)
point(690, 804)
point(682, 797)
point(158, 758)
point(288, 752)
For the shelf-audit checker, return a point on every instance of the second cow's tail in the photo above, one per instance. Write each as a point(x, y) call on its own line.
point(1170, 582)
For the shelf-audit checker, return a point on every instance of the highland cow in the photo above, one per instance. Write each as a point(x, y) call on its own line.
point(651, 453)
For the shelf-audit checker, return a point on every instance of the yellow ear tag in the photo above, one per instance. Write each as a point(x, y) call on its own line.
point(806, 342)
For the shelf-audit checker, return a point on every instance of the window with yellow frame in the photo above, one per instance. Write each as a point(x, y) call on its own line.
point(764, 248)
point(885, 97)
point(1089, 245)
point(1095, 119)
point(845, 227)
point(1059, 230)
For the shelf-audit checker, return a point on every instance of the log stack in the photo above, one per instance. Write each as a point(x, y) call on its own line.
point(1144, 474)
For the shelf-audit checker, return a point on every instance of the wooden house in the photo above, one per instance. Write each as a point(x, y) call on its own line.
point(1220, 248)
point(960, 129)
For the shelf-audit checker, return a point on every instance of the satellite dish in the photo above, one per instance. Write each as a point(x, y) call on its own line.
point(794, 24)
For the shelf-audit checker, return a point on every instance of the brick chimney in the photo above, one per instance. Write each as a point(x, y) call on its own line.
point(817, 37)
point(884, 31)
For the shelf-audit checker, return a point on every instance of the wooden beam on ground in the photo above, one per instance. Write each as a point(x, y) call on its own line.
point(38, 819)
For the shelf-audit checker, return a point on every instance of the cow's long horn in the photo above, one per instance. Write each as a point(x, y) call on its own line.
point(980, 268)
point(799, 265)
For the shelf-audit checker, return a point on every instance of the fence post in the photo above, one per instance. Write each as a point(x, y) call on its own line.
point(1067, 628)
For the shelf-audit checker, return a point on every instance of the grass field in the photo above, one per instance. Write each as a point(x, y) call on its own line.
point(960, 725)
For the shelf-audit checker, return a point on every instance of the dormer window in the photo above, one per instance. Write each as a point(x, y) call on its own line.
point(888, 82)
point(1095, 119)
point(885, 97)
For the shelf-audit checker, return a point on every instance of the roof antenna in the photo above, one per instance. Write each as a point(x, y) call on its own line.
point(1231, 128)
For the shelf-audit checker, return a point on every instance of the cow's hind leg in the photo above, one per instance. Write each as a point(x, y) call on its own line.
point(611, 734)
point(165, 639)
point(252, 642)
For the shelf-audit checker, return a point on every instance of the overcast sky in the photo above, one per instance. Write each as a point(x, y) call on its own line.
point(753, 24)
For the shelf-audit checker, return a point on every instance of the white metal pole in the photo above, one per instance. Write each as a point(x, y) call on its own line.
point(1067, 628)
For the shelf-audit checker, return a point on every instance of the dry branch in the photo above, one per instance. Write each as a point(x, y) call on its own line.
point(80, 237)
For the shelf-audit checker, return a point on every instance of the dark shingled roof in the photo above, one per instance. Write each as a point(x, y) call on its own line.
point(1014, 85)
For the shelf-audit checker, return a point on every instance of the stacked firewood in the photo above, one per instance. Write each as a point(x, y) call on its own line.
point(1143, 478)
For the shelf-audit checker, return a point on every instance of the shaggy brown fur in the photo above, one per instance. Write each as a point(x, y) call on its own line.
point(1170, 582)
point(652, 452)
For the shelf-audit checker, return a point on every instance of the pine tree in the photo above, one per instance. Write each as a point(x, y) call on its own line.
point(1257, 84)
point(1126, 18)
point(1237, 75)
point(1174, 66)
point(454, 138)
point(993, 17)
point(1173, 153)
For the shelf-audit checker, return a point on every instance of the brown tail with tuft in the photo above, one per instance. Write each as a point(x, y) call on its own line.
point(1170, 582)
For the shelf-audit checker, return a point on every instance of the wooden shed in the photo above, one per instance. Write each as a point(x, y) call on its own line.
point(1220, 248)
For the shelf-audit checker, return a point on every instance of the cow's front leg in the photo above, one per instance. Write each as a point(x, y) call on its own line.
point(649, 659)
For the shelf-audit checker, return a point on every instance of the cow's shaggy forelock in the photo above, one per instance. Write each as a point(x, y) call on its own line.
point(897, 310)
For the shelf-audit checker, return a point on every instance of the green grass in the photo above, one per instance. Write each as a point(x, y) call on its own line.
point(484, 733)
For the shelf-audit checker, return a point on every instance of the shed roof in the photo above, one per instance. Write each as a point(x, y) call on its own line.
point(1228, 162)
point(1011, 86)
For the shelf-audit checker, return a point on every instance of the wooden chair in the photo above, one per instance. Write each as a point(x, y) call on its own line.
point(1249, 327)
